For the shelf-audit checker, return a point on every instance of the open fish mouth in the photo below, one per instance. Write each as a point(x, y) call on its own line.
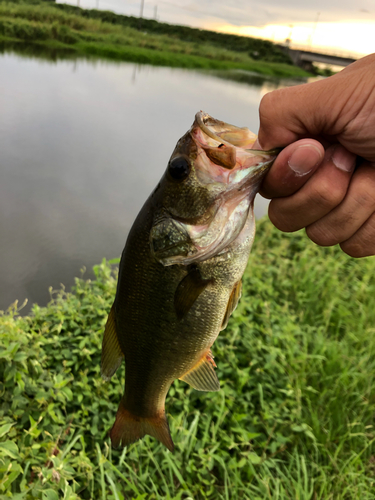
point(228, 135)
point(223, 133)
point(225, 151)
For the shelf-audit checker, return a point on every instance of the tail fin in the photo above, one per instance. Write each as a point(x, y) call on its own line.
point(129, 428)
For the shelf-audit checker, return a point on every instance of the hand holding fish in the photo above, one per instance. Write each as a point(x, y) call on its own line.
point(324, 179)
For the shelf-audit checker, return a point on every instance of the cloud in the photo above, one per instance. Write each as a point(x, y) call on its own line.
point(240, 12)
point(261, 12)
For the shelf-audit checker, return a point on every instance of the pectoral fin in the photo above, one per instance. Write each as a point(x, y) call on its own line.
point(112, 354)
point(232, 303)
point(202, 376)
point(188, 291)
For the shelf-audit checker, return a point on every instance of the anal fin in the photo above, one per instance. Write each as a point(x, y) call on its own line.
point(112, 354)
point(232, 303)
point(202, 376)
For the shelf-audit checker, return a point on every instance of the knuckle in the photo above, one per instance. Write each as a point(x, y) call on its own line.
point(365, 192)
point(267, 102)
point(278, 222)
point(361, 243)
point(321, 235)
point(354, 249)
point(281, 219)
point(328, 195)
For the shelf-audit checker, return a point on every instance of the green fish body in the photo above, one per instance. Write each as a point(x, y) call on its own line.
point(180, 273)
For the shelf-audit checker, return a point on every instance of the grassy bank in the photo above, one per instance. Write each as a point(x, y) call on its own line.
point(294, 417)
point(111, 36)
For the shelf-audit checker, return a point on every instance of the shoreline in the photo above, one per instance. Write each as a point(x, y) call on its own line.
point(142, 55)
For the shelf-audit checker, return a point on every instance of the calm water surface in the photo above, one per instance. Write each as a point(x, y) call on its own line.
point(82, 145)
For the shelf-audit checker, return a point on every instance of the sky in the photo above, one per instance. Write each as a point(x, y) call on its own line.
point(346, 26)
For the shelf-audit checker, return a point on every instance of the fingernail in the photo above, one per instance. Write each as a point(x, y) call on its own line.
point(257, 145)
point(302, 161)
point(343, 159)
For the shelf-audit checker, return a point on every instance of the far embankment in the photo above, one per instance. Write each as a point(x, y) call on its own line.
point(107, 35)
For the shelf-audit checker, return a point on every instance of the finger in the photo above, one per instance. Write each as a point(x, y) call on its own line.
point(362, 243)
point(290, 113)
point(347, 218)
point(276, 130)
point(322, 192)
point(292, 168)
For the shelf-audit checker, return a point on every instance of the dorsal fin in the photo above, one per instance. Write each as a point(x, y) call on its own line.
point(202, 376)
point(112, 354)
point(232, 303)
point(188, 291)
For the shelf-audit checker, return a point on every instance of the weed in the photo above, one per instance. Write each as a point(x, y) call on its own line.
point(294, 417)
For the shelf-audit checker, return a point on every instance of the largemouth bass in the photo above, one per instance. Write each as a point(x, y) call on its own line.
point(180, 273)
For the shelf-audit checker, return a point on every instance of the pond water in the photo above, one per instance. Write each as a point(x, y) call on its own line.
point(82, 144)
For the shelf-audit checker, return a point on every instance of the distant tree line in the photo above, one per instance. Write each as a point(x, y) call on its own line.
point(255, 47)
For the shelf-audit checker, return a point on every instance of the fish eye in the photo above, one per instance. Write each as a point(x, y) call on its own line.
point(179, 168)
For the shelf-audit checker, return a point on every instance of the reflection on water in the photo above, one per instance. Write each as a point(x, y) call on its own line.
point(38, 51)
point(83, 143)
point(265, 83)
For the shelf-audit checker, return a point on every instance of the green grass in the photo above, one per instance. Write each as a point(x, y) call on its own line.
point(86, 33)
point(294, 418)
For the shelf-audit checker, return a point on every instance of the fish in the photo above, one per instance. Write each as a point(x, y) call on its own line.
point(180, 273)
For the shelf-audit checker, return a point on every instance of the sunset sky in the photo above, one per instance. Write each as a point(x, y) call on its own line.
point(343, 25)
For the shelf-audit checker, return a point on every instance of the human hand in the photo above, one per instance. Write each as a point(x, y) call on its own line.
point(325, 126)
